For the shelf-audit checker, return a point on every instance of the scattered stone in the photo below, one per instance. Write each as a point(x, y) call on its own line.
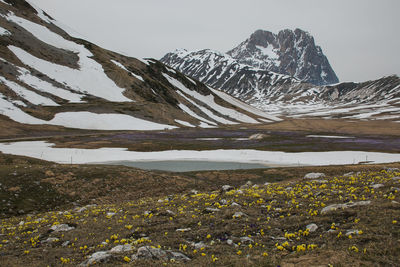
point(66, 243)
point(267, 183)
point(348, 174)
point(97, 257)
point(396, 178)
point(314, 175)
point(227, 188)
point(376, 186)
point(21, 223)
point(110, 214)
point(62, 228)
point(229, 242)
point(239, 214)
point(288, 188)
point(121, 248)
point(312, 227)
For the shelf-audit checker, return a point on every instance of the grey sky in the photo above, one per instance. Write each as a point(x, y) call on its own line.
point(361, 38)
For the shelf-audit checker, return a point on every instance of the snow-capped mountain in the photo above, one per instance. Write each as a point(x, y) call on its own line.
point(293, 53)
point(244, 74)
point(48, 77)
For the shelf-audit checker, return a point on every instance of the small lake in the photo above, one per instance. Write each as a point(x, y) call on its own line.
point(187, 166)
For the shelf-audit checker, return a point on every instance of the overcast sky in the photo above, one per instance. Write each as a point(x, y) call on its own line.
point(360, 37)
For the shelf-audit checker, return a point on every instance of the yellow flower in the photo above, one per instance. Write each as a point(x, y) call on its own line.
point(239, 252)
point(127, 259)
point(265, 254)
point(208, 236)
point(394, 221)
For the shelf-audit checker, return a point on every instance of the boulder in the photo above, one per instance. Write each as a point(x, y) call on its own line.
point(97, 257)
point(62, 228)
point(121, 248)
point(312, 227)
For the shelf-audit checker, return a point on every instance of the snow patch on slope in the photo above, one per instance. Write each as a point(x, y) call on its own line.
point(123, 67)
point(47, 87)
point(209, 101)
point(89, 120)
point(28, 95)
point(79, 80)
point(4, 32)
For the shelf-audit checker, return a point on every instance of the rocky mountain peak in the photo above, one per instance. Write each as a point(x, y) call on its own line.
point(289, 52)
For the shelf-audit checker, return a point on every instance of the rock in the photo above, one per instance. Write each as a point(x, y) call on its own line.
point(49, 173)
point(348, 174)
point(229, 242)
point(288, 188)
point(234, 204)
point(238, 214)
point(392, 169)
point(65, 244)
point(97, 257)
point(246, 239)
point(193, 192)
point(352, 232)
point(62, 228)
point(247, 185)
point(257, 136)
point(267, 183)
point(223, 202)
point(227, 188)
point(151, 253)
point(156, 253)
point(359, 203)
point(121, 248)
point(211, 210)
point(183, 230)
point(50, 240)
point(170, 212)
point(321, 181)
point(198, 245)
point(110, 214)
point(312, 227)
point(178, 256)
point(314, 175)
point(376, 186)
point(334, 207)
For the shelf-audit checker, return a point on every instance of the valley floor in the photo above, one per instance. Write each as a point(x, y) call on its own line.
point(55, 214)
